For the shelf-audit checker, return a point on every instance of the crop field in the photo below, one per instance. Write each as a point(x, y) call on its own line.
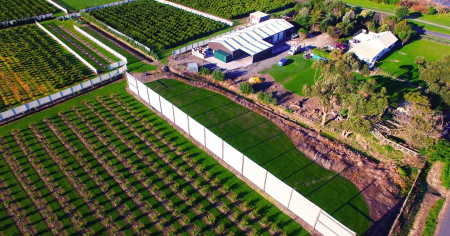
point(232, 9)
point(103, 163)
point(19, 9)
point(88, 50)
point(156, 25)
point(134, 64)
point(76, 5)
point(400, 63)
point(295, 74)
point(32, 64)
point(263, 142)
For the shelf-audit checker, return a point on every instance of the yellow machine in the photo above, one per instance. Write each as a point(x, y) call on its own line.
point(255, 80)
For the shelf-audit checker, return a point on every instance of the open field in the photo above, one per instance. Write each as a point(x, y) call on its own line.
point(294, 74)
point(134, 64)
point(263, 142)
point(400, 63)
point(103, 163)
point(32, 65)
point(88, 50)
point(234, 9)
point(19, 9)
point(156, 25)
point(76, 5)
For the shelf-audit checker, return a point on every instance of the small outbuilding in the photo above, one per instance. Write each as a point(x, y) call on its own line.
point(258, 17)
point(193, 68)
point(371, 46)
point(222, 56)
point(282, 62)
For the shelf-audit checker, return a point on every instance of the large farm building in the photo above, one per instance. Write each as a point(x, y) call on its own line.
point(256, 41)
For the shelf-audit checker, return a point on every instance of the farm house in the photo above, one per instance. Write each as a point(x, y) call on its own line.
point(256, 41)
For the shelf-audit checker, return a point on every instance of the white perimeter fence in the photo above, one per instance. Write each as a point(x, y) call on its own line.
point(118, 55)
point(277, 189)
point(199, 44)
point(28, 19)
point(196, 12)
point(69, 16)
point(64, 94)
point(57, 6)
point(67, 48)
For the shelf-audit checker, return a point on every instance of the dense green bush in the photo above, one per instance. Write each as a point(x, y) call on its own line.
point(218, 75)
point(231, 9)
point(205, 71)
point(267, 98)
point(321, 52)
point(246, 88)
point(19, 9)
point(157, 26)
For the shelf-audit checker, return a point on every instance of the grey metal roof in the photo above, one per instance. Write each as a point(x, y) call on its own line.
point(250, 39)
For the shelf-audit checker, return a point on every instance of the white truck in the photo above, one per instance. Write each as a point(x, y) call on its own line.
point(295, 48)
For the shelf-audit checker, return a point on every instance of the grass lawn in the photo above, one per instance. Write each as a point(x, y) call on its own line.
point(261, 205)
point(430, 27)
point(76, 5)
point(431, 220)
point(295, 74)
point(134, 64)
point(267, 145)
point(400, 63)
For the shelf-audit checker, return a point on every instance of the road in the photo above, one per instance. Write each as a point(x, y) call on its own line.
point(443, 227)
point(421, 31)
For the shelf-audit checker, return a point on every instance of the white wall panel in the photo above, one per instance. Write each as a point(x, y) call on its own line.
point(66, 92)
point(33, 104)
point(278, 189)
point(304, 208)
point(154, 99)
point(143, 91)
point(197, 131)
point(214, 143)
point(44, 100)
point(321, 228)
point(233, 157)
point(133, 89)
point(56, 96)
point(96, 80)
point(131, 80)
point(181, 119)
point(254, 172)
point(76, 88)
point(20, 109)
point(333, 225)
point(7, 114)
point(167, 109)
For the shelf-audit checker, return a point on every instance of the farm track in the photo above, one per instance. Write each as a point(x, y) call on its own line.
point(86, 44)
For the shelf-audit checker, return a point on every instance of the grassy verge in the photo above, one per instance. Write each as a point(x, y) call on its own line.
point(134, 64)
point(400, 63)
point(431, 221)
point(294, 74)
point(263, 142)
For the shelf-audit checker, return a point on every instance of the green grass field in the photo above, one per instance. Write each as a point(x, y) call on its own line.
point(437, 19)
point(431, 220)
point(295, 74)
point(134, 64)
point(76, 5)
point(183, 211)
point(263, 142)
point(400, 63)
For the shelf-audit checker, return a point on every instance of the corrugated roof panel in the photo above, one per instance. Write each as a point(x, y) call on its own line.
point(233, 43)
point(255, 35)
point(261, 33)
point(267, 30)
point(261, 45)
point(248, 38)
point(244, 41)
point(273, 28)
point(248, 50)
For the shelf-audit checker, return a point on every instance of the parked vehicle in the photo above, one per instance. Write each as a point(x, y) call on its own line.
point(295, 48)
point(341, 46)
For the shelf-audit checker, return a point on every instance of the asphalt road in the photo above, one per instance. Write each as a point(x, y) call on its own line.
point(432, 33)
